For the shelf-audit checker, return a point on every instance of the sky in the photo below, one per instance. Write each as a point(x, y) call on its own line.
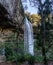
point(28, 7)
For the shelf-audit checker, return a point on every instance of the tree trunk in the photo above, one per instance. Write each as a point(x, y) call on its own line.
point(43, 37)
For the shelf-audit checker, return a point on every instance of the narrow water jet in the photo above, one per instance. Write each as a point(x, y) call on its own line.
point(28, 37)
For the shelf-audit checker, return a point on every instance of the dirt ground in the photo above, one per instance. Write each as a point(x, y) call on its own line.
point(4, 63)
point(7, 63)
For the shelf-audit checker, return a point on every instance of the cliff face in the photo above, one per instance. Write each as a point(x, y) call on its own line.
point(11, 19)
point(11, 12)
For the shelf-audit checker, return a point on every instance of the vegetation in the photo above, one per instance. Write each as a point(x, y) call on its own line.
point(43, 38)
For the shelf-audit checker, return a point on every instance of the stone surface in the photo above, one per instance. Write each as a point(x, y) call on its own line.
point(14, 9)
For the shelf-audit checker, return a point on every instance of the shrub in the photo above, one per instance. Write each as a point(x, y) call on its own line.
point(30, 59)
point(20, 58)
point(8, 52)
point(39, 59)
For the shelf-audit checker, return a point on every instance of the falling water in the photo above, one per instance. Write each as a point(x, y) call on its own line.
point(28, 37)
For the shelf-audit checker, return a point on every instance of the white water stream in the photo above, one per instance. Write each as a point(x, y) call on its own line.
point(28, 37)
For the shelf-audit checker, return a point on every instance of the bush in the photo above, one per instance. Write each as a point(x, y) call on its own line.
point(30, 59)
point(20, 58)
point(8, 51)
point(11, 58)
point(39, 59)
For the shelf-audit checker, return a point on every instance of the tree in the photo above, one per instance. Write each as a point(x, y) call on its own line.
point(34, 18)
point(44, 9)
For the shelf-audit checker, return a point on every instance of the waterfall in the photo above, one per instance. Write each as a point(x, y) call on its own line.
point(28, 37)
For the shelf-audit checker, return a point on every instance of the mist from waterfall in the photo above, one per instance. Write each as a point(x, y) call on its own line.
point(28, 37)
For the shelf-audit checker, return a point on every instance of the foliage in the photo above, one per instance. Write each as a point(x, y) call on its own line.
point(20, 58)
point(34, 18)
point(13, 46)
point(12, 55)
point(39, 59)
point(44, 11)
point(8, 51)
point(30, 58)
